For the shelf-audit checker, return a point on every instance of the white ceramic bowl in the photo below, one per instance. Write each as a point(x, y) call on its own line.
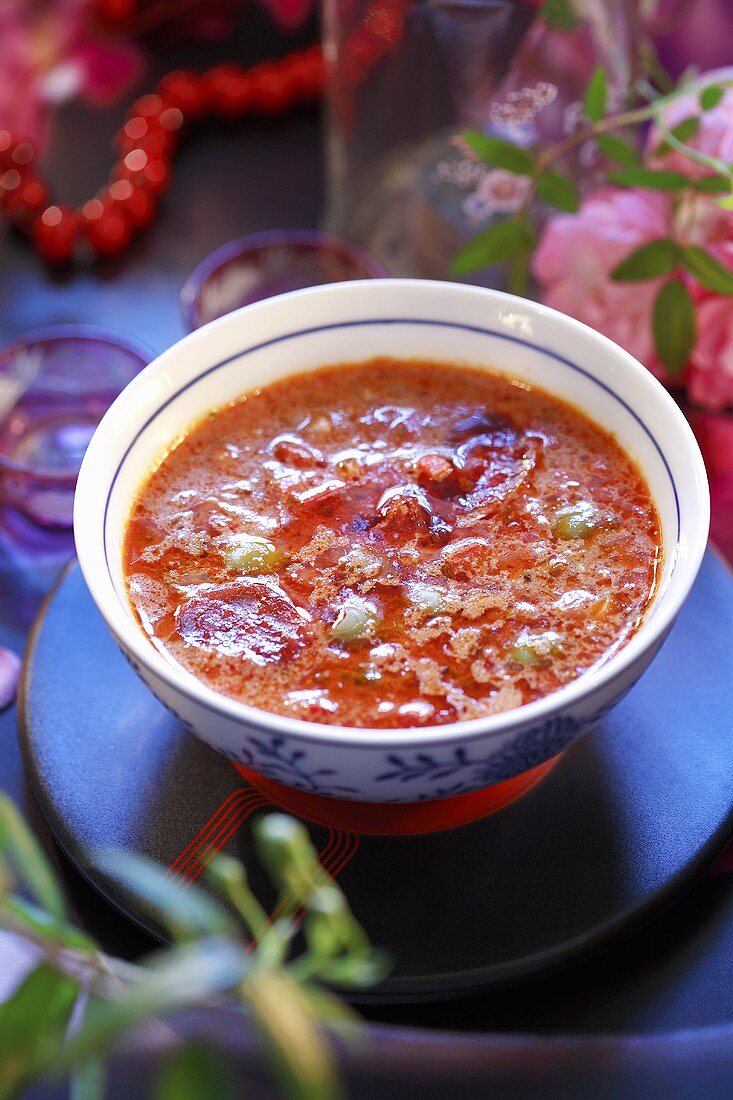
point(354, 321)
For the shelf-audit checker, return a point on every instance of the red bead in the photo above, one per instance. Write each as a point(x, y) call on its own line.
point(138, 203)
point(108, 228)
point(158, 145)
point(121, 191)
point(10, 183)
point(307, 71)
point(22, 154)
point(143, 170)
point(134, 162)
point(29, 199)
point(171, 121)
point(7, 144)
point(229, 90)
point(134, 129)
point(92, 210)
point(156, 175)
point(154, 139)
point(184, 90)
point(147, 106)
point(272, 91)
point(54, 234)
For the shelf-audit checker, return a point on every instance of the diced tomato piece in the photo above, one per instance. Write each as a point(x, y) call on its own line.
point(468, 559)
point(404, 511)
point(291, 450)
point(436, 473)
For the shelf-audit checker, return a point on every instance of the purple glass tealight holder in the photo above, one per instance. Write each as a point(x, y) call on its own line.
point(265, 264)
point(56, 383)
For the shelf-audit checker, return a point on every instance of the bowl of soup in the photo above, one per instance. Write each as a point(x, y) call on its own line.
point(392, 540)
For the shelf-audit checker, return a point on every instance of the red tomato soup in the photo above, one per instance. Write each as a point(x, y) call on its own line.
point(392, 543)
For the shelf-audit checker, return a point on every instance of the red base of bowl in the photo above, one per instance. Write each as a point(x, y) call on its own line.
point(398, 819)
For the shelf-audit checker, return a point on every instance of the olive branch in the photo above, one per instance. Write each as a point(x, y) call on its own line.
point(512, 240)
point(77, 1003)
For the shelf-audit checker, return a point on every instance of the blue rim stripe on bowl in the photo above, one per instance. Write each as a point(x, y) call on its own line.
point(386, 321)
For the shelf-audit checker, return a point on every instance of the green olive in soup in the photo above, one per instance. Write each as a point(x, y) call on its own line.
point(392, 543)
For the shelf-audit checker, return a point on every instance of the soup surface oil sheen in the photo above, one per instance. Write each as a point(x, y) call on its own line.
point(392, 543)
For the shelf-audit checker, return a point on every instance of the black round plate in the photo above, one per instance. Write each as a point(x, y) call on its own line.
point(625, 821)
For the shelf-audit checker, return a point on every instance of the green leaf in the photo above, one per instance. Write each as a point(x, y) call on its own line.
point(518, 280)
point(674, 326)
point(650, 178)
point(7, 878)
point(284, 847)
point(558, 191)
point(170, 979)
point(273, 946)
point(33, 1024)
point(713, 185)
point(27, 857)
point(87, 1080)
point(322, 936)
point(654, 68)
point(711, 96)
point(648, 262)
point(186, 913)
point(299, 1053)
point(561, 15)
point(726, 203)
point(683, 131)
point(328, 904)
point(500, 153)
point(686, 129)
point(358, 970)
point(229, 877)
point(502, 241)
point(707, 270)
point(194, 1072)
point(20, 916)
point(615, 148)
point(596, 95)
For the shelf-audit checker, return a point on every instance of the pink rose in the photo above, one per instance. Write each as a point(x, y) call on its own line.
point(714, 135)
point(710, 375)
point(577, 253)
point(714, 432)
point(51, 53)
point(710, 381)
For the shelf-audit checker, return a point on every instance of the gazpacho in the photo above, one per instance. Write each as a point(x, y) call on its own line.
point(391, 544)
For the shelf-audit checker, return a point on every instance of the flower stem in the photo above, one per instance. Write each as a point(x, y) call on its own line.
point(632, 117)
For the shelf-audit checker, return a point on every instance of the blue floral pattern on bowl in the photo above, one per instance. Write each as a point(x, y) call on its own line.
point(428, 775)
point(467, 771)
point(272, 757)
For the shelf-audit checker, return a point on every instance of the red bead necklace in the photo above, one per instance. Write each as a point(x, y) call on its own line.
point(105, 225)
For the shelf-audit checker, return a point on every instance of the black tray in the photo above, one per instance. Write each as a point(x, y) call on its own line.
point(623, 824)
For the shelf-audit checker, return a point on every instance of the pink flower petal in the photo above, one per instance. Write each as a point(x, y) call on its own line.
point(110, 71)
point(577, 253)
point(9, 673)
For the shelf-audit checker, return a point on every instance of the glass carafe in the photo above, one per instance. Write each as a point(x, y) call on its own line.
point(406, 77)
